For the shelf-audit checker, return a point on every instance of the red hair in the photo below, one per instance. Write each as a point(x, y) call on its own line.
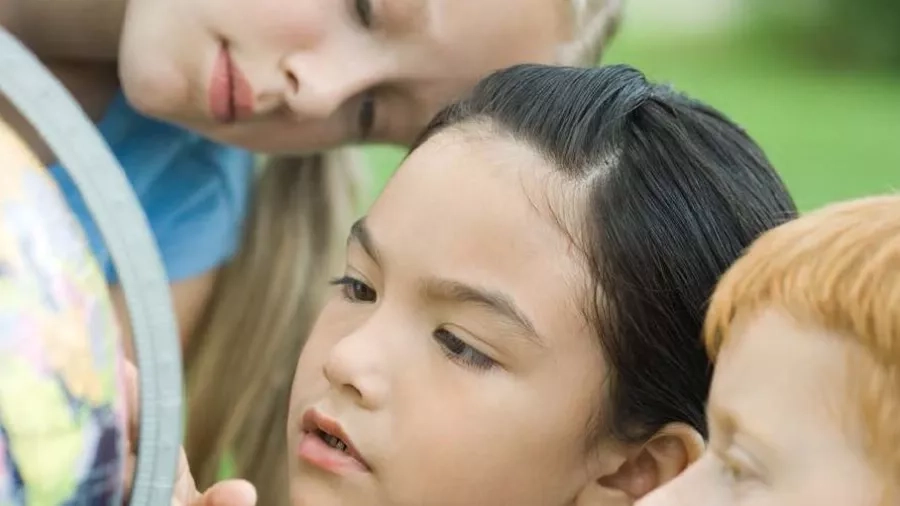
point(839, 269)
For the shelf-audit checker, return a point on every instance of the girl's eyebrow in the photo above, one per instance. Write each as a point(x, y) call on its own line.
point(359, 233)
point(455, 291)
point(729, 427)
point(495, 301)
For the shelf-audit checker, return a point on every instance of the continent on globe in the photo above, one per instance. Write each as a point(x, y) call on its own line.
point(62, 413)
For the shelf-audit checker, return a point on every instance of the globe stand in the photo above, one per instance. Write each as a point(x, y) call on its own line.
point(67, 131)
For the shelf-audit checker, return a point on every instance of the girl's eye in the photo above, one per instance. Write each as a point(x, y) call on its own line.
point(364, 12)
point(457, 350)
point(366, 115)
point(355, 290)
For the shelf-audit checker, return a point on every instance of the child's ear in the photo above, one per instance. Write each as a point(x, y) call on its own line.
point(646, 467)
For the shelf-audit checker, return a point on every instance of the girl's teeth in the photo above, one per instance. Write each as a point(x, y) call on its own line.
point(335, 442)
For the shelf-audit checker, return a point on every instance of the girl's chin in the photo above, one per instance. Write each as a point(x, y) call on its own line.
point(310, 496)
point(311, 486)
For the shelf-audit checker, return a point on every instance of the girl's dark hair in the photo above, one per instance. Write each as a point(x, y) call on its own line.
point(676, 193)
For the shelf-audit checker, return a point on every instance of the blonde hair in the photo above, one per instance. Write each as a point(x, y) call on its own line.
point(240, 363)
point(595, 23)
point(837, 269)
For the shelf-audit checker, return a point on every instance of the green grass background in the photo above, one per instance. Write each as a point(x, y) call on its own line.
point(833, 135)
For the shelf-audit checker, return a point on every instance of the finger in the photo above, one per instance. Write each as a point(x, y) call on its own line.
point(185, 489)
point(229, 493)
point(132, 401)
point(130, 462)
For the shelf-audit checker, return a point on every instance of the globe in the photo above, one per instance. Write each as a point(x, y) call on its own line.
point(62, 411)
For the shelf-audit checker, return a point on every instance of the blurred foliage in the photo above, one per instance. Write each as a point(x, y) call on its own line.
point(842, 33)
point(830, 130)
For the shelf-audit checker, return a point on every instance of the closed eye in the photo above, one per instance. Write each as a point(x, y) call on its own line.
point(738, 466)
point(461, 352)
point(366, 115)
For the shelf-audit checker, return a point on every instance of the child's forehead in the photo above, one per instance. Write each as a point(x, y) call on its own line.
point(549, 23)
point(778, 368)
point(453, 44)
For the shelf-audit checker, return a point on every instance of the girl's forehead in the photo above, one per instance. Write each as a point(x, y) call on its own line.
point(473, 209)
point(447, 46)
point(493, 166)
point(479, 36)
point(554, 17)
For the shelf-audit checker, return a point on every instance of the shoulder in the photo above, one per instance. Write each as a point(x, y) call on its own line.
point(193, 191)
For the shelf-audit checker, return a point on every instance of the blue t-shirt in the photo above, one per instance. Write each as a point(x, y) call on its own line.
point(193, 191)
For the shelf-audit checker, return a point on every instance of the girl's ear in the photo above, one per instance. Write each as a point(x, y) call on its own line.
point(669, 452)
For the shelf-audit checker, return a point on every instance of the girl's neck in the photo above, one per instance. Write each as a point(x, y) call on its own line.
point(67, 29)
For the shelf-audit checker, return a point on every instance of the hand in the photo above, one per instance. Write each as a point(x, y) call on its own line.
point(185, 493)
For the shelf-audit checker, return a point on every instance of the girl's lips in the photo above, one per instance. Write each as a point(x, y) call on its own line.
point(230, 93)
point(316, 451)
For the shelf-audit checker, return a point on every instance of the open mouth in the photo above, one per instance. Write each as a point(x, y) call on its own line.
point(332, 441)
point(326, 445)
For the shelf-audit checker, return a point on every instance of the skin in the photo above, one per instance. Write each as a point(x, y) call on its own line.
point(453, 401)
point(780, 435)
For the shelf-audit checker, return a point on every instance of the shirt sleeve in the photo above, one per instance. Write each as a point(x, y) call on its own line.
point(194, 193)
point(198, 219)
